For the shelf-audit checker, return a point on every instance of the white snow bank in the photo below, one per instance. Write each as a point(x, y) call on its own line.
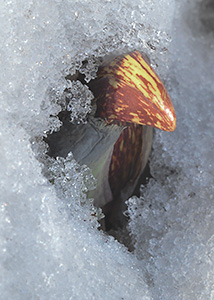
point(173, 221)
point(45, 255)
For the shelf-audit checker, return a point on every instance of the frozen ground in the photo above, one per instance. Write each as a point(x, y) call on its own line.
point(50, 245)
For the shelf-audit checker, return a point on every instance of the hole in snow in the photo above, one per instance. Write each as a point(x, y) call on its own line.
point(92, 143)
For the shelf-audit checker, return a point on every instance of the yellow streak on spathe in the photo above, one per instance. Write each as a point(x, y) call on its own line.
point(135, 118)
point(118, 109)
point(113, 82)
point(126, 71)
point(130, 69)
point(137, 69)
point(121, 145)
point(131, 79)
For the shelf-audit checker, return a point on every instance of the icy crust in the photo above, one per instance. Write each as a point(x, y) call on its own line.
point(172, 222)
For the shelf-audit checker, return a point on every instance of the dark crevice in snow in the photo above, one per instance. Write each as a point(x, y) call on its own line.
point(115, 222)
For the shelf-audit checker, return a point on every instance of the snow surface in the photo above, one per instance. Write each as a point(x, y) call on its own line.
point(50, 245)
point(172, 223)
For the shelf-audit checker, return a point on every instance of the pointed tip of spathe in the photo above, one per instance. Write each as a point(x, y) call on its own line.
point(167, 124)
point(163, 117)
point(129, 90)
point(171, 119)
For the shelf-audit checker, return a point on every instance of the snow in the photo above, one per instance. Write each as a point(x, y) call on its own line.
point(50, 245)
point(172, 222)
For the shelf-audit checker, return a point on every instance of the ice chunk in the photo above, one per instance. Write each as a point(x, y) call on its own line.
point(78, 100)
